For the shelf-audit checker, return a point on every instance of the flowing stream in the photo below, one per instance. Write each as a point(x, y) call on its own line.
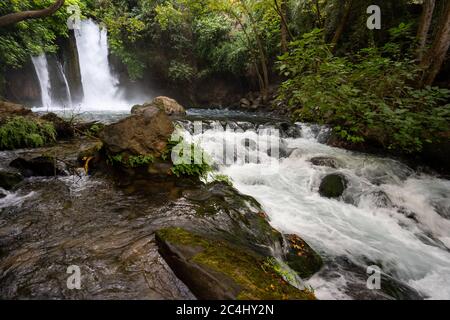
point(389, 216)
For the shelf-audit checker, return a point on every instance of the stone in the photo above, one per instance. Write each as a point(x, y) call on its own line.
point(63, 128)
point(324, 162)
point(144, 133)
point(301, 257)
point(42, 166)
point(168, 105)
point(8, 109)
point(215, 269)
point(333, 185)
point(9, 179)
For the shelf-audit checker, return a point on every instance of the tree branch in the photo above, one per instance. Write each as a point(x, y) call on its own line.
point(15, 17)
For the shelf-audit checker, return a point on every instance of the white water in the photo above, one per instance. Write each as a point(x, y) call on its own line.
point(99, 85)
point(66, 84)
point(415, 252)
point(41, 67)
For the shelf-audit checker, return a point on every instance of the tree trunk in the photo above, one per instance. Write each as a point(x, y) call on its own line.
point(284, 29)
point(319, 16)
point(15, 17)
point(261, 52)
point(342, 24)
point(435, 56)
point(286, 34)
point(424, 26)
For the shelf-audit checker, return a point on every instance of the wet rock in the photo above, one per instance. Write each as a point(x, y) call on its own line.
point(144, 133)
point(301, 258)
point(40, 166)
point(324, 162)
point(8, 109)
point(9, 179)
point(442, 207)
point(333, 185)
point(215, 269)
point(168, 105)
point(245, 103)
point(63, 128)
point(2, 194)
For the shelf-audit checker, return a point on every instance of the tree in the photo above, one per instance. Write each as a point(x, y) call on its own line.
point(15, 17)
point(342, 24)
point(435, 56)
point(424, 26)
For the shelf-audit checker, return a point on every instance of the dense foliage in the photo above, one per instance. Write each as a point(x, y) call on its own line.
point(21, 132)
point(369, 96)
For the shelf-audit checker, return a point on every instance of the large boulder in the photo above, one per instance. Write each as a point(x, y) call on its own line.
point(168, 105)
point(144, 133)
point(333, 185)
point(64, 129)
point(301, 257)
point(215, 269)
point(8, 109)
point(41, 166)
point(9, 179)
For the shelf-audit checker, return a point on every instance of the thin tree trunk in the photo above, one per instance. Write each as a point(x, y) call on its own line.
point(286, 34)
point(342, 24)
point(262, 55)
point(435, 56)
point(15, 17)
point(319, 16)
point(424, 26)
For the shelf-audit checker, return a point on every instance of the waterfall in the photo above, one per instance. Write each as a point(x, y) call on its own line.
point(66, 83)
point(99, 84)
point(41, 67)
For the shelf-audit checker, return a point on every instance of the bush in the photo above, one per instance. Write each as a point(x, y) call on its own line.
point(368, 97)
point(21, 132)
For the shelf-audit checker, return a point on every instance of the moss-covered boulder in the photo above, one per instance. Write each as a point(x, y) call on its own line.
point(333, 185)
point(215, 269)
point(9, 179)
point(301, 257)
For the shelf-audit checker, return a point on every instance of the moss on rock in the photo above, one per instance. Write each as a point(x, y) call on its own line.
point(214, 269)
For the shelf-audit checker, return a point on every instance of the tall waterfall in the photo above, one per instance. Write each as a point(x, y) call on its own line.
point(41, 67)
point(99, 84)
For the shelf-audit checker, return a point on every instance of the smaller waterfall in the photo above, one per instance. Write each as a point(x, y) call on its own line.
point(41, 67)
point(66, 84)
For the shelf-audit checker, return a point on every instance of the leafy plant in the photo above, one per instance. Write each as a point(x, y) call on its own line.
point(368, 97)
point(20, 132)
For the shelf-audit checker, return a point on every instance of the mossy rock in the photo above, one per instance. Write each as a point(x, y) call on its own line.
point(301, 257)
point(215, 269)
point(9, 179)
point(333, 185)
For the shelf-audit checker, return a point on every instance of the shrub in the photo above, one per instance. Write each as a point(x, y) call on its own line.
point(366, 97)
point(21, 132)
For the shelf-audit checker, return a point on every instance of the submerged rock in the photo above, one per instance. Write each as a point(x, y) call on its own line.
point(9, 179)
point(43, 166)
point(325, 162)
point(333, 185)
point(214, 269)
point(143, 133)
